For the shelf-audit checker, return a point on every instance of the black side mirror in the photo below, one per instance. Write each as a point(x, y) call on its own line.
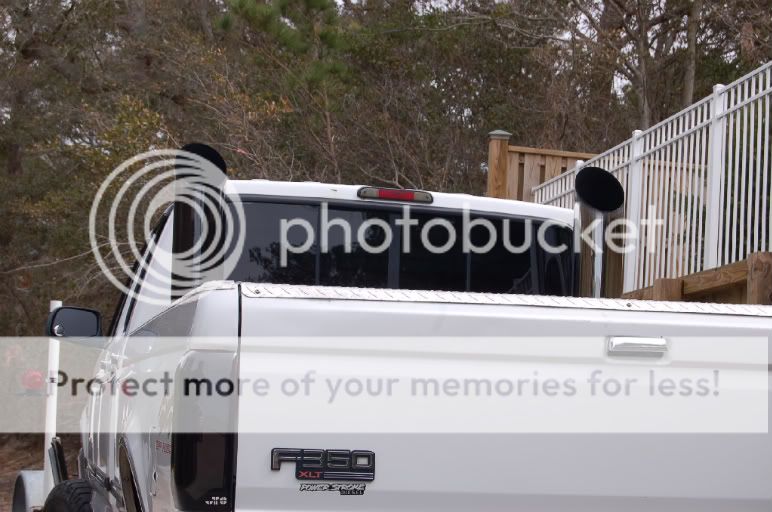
point(74, 323)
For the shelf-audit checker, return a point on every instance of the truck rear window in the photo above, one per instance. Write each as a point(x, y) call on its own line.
point(379, 250)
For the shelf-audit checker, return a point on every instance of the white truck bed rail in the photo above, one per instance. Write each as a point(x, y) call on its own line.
point(283, 291)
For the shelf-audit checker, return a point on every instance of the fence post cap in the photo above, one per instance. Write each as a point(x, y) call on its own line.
point(499, 134)
point(719, 87)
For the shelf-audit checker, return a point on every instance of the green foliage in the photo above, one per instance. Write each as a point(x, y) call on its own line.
point(309, 30)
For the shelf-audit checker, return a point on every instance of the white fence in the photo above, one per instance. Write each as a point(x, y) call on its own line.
point(705, 172)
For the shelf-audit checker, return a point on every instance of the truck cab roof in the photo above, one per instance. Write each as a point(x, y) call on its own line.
point(337, 192)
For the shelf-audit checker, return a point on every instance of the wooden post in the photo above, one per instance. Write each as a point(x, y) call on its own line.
point(759, 283)
point(668, 289)
point(514, 177)
point(498, 154)
point(531, 176)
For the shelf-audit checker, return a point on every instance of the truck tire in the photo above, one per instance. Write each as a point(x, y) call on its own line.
point(69, 496)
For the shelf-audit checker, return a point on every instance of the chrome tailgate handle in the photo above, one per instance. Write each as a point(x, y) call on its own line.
point(636, 346)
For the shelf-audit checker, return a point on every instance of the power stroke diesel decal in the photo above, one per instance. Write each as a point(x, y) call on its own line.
point(327, 464)
point(344, 489)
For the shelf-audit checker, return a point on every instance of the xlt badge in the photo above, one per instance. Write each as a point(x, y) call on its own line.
point(327, 464)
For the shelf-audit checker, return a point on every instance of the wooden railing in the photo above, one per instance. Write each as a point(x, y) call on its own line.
point(513, 171)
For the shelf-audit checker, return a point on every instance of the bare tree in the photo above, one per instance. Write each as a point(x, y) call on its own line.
point(692, 25)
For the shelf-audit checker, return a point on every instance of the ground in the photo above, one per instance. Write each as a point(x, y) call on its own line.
point(25, 451)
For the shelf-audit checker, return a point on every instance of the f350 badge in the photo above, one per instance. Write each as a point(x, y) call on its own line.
point(358, 465)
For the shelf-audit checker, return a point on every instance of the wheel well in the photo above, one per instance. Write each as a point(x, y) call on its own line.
point(131, 497)
point(27, 490)
point(19, 496)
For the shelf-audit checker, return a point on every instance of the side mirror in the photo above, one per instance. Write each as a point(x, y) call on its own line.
point(74, 323)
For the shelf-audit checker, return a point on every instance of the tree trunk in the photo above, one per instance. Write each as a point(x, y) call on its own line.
point(13, 143)
point(691, 52)
point(202, 12)
point(643, 86)
point(602, 80)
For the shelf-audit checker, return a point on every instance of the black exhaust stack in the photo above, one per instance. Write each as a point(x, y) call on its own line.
point(193, 185)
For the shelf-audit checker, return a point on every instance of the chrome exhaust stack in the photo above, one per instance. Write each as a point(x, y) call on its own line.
point(599, 201)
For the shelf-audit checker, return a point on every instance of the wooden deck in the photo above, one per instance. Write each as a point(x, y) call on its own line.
point(746, 282)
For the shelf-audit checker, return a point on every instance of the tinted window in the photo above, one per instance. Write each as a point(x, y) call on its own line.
point(155, 292)
point(438, 264)
point(261, 261)
point(499, 269)
point(347, 262)
point(554, 270)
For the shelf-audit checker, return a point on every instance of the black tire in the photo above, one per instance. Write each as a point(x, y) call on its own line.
point(69, 496)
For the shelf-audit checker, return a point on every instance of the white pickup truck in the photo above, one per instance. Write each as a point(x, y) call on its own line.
point(147, 456)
